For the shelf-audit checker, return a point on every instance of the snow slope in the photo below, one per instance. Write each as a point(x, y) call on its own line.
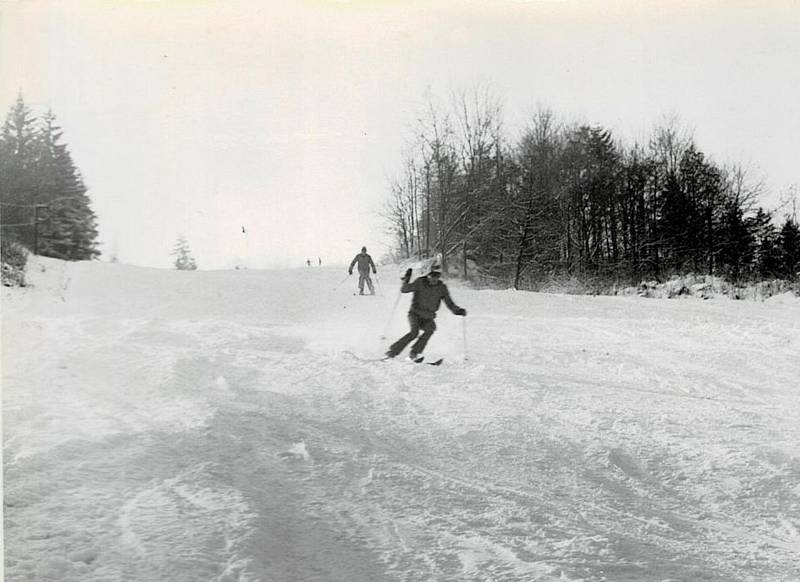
point(186, 426)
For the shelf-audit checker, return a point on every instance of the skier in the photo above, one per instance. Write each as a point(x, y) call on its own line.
point(364, 263)
point(429, 291)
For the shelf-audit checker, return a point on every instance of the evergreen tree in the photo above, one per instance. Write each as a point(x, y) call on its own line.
point(70, 228)
point(790, 249)
point(17, 174)
point(767, 256)
point(735, 242)
point(184, 261)
point(44, 201)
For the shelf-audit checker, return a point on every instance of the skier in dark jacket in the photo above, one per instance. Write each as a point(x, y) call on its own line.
point(429, 292)
point(364, 263)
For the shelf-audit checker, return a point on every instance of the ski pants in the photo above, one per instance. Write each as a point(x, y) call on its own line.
point(428, 326)
point(363, 277)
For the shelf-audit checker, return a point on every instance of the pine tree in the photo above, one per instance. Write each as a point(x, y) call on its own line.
point(69, 230)
point(736, 241)
point(44, 201)
point(184, 261)
point(790, 248)
point(17, 174)
point(767, 256)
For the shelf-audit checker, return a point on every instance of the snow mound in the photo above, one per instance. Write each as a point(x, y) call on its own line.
point(297, 451)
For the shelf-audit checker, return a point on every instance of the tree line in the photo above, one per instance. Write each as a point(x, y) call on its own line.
point(567, 200)
point(44, 203)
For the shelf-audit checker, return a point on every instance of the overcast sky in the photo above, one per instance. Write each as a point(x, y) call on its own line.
point(289, 118)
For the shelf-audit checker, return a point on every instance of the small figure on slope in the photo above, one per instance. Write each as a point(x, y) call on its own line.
point(429, 291)
point(364, 263)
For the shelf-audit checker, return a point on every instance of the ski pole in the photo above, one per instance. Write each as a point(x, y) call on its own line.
point(391, 315)
point(464, 336)
point(342, 281)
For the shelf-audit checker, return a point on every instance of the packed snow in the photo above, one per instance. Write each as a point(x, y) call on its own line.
point(236, 426)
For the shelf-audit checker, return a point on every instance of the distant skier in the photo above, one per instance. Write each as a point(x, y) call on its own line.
point(429, 291)
point(364, 263)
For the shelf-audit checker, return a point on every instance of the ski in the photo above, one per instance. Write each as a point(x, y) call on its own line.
point(363, 359)
point(419, 360)
point(436, 362)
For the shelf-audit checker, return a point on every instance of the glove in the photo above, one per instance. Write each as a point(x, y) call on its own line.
point(374, 271)
point(349, 271)
point(407, 276)
point(461, 311)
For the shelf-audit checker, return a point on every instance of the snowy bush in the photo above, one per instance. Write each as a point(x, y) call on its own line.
point(14, 258)
point(708, 286)
point(689, 286)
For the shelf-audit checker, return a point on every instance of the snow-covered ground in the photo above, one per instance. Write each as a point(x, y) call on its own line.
point(192, 426)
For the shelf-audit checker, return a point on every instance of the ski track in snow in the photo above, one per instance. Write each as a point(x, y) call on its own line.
point(213, 426)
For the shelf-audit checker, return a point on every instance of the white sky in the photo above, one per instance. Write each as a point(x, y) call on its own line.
point(289, 118)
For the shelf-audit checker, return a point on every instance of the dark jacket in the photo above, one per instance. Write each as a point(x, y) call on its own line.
point(364, 263)
point(428, 297)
